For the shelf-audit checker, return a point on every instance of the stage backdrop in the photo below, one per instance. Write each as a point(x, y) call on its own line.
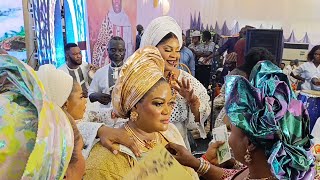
point(12, 33)
point(298, 19)
point(107, 18)
point(76, 25)
point(48, 30)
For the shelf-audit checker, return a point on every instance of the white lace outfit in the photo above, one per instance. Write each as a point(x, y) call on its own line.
point(182, 117)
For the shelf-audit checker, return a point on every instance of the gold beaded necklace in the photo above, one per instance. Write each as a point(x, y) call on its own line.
point(143, 143)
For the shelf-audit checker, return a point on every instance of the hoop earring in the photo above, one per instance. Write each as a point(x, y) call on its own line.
point(247, 157)
point(134, 116)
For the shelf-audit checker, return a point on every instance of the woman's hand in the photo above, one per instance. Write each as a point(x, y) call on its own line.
point(185, 90)
point(211, 154)
point(111, 137)
point(187, 159)
point(183, 156)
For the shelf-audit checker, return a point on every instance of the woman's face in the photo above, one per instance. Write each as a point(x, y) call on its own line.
point(317, 56)
point(76, 103)
point(76, 170)
point(155, 109)
point(170, 52)
point(238, 143)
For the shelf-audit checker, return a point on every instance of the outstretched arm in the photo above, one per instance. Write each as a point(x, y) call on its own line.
point(184, 157)
point(110, 137)
point(297, 77)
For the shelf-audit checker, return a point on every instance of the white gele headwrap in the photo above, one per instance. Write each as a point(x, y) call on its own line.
point(57, 84)
point(159, 28)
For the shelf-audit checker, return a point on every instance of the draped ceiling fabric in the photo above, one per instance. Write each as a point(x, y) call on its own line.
point(298, 19)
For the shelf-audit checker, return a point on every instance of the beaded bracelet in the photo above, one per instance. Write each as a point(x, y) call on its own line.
point(204, 157)
point(204, 167)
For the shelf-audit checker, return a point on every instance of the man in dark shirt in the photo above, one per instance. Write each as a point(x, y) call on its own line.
point(228, 46)
point(139, 35)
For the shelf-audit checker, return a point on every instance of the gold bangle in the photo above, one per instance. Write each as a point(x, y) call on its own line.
point(207, 167)
point(201, 165)
point(204, 167)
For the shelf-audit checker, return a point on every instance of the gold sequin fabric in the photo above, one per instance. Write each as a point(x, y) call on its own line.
point(103, 164)
point(140, 72)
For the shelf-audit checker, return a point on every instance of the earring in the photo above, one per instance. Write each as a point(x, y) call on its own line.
point(247, 157)
point(64, 107)
point(134, 116)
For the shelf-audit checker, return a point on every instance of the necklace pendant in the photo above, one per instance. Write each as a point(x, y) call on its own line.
point(148, 144)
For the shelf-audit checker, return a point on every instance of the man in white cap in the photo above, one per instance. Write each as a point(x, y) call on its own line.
point(195, 46)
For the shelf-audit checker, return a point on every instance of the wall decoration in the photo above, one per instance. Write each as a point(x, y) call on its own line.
point(76, 24)
point(110, 18)
point(48, 27)
point(12, 32)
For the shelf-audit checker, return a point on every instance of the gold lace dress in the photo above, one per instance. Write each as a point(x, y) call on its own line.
point(103, 164)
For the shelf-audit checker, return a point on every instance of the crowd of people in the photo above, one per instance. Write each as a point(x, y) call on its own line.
point(85, 122)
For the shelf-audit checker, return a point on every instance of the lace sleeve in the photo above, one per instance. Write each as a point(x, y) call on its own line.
point(219, 101)
point(88, 131)
point(219, 120)
point(204, 109)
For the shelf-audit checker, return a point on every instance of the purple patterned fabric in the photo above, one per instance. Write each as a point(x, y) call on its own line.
point(267, 111)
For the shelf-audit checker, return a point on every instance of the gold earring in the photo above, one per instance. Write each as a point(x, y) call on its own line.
point(134, 116)
point(247, 157)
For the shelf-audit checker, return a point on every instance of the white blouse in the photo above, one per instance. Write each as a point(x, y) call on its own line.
point(308, 71)
point(88, 131)
point(182, 116)
point(94, 118)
